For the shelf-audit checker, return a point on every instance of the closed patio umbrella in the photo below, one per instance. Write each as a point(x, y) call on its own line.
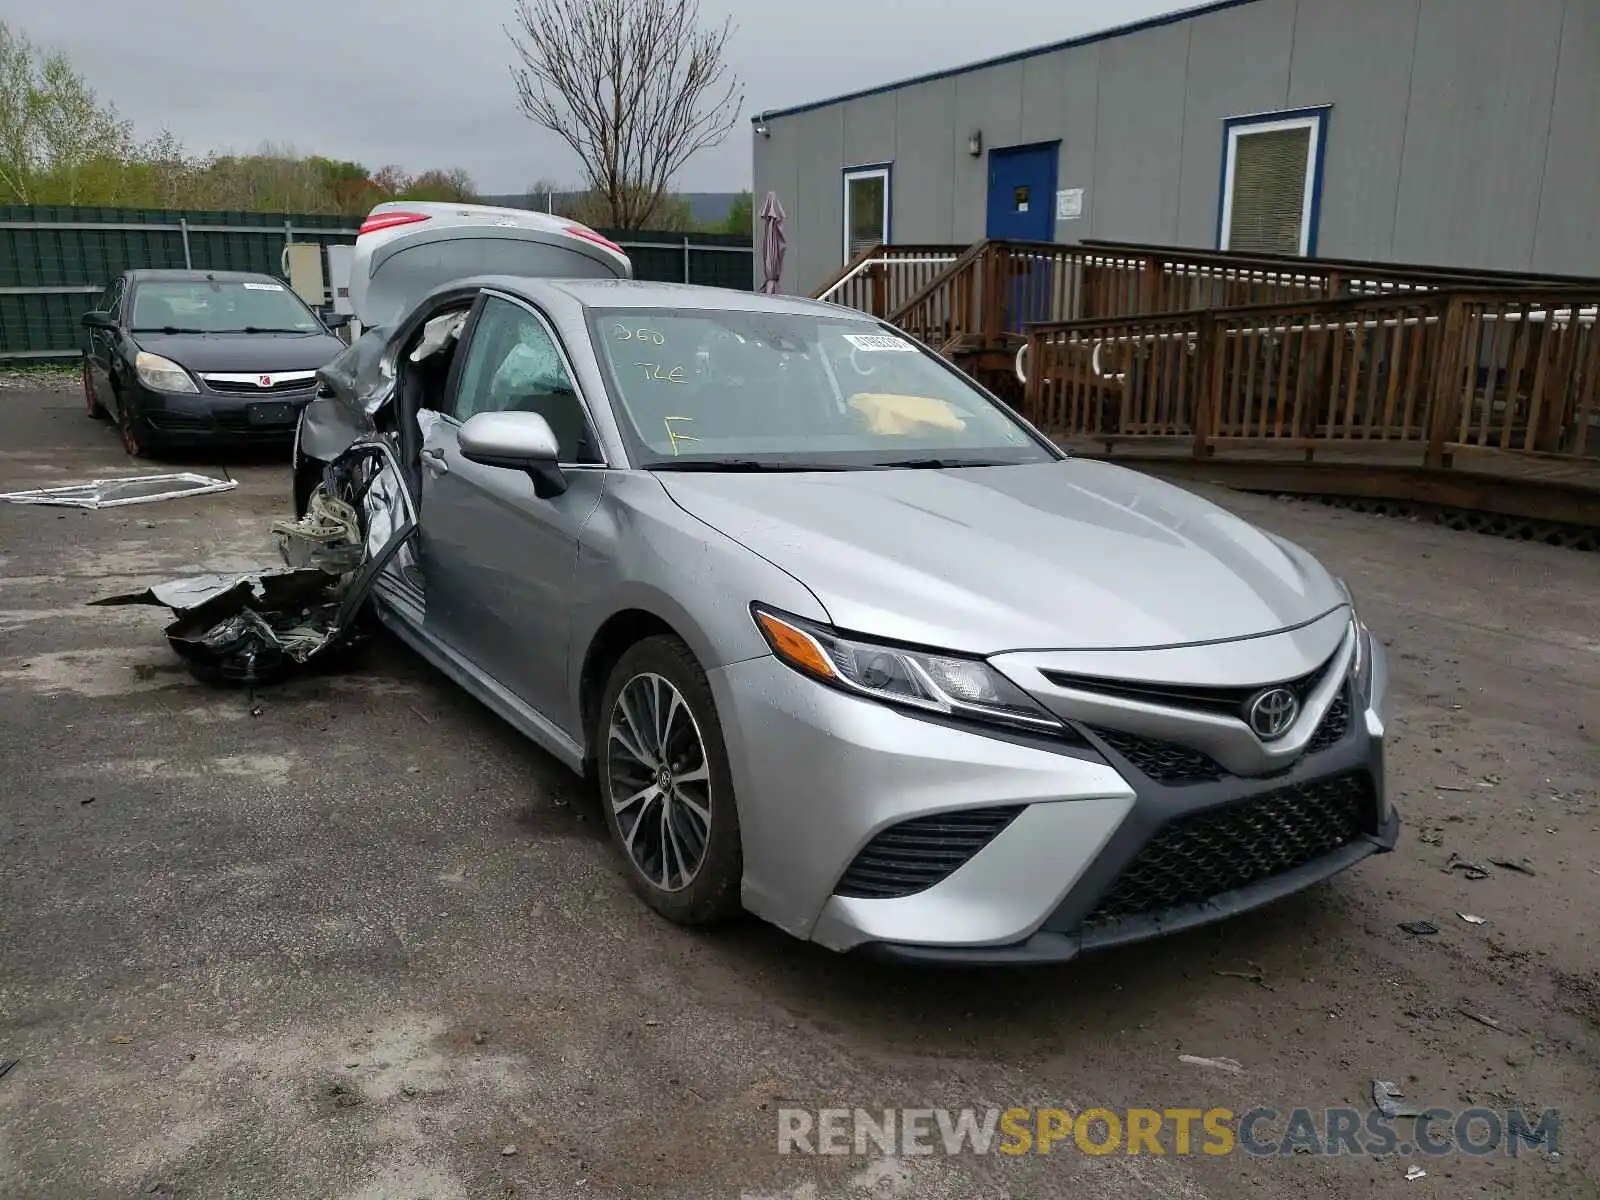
point(773, 242)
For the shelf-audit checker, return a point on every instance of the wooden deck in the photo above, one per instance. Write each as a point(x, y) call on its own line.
point(1463, 389)
point(1558, 492)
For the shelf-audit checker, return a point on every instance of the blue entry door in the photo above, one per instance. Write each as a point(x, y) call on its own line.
point(1022, 207)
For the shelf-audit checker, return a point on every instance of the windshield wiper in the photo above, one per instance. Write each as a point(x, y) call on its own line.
point(739, 464)
point(163, 329)
point(263, 329)
point(942, 464)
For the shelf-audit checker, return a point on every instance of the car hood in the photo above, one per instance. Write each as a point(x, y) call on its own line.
point(1067, 555)
point(243, 351)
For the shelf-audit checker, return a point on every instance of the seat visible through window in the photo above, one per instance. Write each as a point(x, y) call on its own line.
point(512, 365)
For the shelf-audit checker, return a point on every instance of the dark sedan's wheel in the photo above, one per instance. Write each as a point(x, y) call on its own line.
point(132, 440)
point(665, 786)
point(91, 399)
point(307, 475)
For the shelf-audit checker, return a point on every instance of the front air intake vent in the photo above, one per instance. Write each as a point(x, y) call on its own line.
point(914, 855)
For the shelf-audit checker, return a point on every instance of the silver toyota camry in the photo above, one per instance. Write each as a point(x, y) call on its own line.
point(843, 641)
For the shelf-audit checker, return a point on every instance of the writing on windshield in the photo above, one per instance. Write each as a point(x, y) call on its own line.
point(784, 387)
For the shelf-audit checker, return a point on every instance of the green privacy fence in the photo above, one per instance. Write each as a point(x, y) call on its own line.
point(55, 261)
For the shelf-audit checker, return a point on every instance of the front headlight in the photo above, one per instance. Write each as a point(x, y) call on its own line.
point(162, 374)
point(940, 683)
point(1361, 661)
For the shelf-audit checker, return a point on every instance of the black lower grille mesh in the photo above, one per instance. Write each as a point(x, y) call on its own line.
point(1196, 857)
point(175, 422)
point(1333, 727)
point(1165, 762)
point(914, 855)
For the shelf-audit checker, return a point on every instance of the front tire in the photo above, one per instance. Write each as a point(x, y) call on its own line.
point(306, 476)
point(665, 787)
point(127, 425)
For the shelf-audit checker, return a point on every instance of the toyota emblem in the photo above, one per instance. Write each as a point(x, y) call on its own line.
point(264, 380)
point(1272, 712)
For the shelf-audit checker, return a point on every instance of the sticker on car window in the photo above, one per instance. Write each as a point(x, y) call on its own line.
point(879, 341)
point(264, 287)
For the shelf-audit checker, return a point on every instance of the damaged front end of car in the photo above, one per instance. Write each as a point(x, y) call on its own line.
point(256, 627)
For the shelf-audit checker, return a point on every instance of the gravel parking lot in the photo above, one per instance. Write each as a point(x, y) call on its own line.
point(362, 941)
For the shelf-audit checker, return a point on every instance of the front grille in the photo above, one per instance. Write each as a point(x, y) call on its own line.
point(255, 389)
point(1165, 762)
point(1224, 701)
point(1196, 857)
point(1334, 724)
point(914, 855)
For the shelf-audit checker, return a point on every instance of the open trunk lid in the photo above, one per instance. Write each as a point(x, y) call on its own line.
point(407, 248)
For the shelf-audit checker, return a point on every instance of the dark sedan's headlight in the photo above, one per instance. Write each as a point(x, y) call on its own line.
point(951, 685)
point(162, 374)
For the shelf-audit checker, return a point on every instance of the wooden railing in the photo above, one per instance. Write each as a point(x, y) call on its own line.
point(994, 290)
point(1442, 371)
point(883, 278)
point(1521, 372)
point(1351, 275)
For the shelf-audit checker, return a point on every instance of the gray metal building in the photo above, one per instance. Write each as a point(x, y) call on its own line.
point(1448, 132)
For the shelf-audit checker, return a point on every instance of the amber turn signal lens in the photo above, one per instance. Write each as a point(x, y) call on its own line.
point(795, 646)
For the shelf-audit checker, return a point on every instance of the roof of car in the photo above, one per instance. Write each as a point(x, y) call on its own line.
point(168, 275)
point(640, 293)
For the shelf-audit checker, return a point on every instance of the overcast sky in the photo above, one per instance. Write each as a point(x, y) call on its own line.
point(425, 83)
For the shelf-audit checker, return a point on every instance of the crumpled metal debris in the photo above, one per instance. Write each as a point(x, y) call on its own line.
point(328, 536)
point(254, 627)
point(132, 489)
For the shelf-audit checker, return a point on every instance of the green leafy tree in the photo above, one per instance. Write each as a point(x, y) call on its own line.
point(55, 135)
point(741, 219)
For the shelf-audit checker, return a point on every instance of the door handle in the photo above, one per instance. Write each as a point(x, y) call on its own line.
point(434, 461)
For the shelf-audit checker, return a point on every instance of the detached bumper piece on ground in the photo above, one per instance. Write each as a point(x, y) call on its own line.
point(254, 628)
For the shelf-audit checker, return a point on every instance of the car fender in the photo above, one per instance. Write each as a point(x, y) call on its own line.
point(327, 429)
point(640, 552)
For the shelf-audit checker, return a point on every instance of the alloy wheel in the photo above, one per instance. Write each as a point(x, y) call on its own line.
point(659, 781)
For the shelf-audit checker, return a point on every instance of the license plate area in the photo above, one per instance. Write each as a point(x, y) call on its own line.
point(270, 412)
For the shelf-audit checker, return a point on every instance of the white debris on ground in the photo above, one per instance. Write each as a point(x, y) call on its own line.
point(130, 489)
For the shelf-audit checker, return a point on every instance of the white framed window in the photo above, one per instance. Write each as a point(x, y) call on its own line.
point(1272, 182)
point(866, 208)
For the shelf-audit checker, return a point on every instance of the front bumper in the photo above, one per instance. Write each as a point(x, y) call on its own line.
point(820, 775)
point(210, 418)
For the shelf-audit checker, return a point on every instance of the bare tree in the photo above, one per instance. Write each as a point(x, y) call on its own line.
point(635, 87)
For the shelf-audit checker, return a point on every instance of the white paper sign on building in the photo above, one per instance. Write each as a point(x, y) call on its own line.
point(1069, 204)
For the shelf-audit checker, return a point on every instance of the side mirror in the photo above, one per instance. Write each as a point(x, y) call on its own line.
point(98, 320)
point(336, 320)
point(518, 441)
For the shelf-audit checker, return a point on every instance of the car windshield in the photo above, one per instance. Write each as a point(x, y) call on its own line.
point(730, 389)
point(221, 306)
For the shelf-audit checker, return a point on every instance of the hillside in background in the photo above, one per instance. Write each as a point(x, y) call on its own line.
point(706, 208)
